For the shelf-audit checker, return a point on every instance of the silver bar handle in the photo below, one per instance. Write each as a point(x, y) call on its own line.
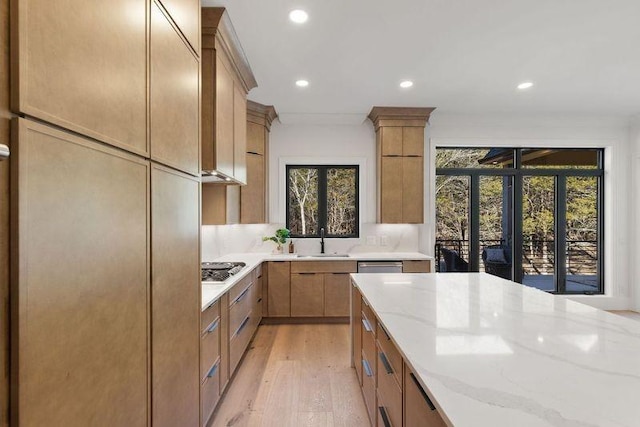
point(4, 152)
point(385, 362)
point(385, 417)
point(367, 368)
point(366, 324)
point(380, 264)
point(213, 326)
point(423, 393)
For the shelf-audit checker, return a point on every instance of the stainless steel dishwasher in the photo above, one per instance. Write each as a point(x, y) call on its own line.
point(380, 267)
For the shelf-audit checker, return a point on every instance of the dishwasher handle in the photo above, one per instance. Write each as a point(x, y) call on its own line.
point(380, 264)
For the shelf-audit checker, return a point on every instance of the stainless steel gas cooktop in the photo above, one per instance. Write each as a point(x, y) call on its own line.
point(220, 271)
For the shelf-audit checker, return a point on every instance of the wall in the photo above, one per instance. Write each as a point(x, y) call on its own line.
point(634, 223)
point(4, 214)
point(611, 133)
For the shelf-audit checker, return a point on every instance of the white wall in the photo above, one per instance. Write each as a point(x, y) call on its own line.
point(610, 133)
point(634, 223)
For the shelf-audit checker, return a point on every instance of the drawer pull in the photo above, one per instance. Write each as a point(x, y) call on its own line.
point(306, 274)
point(367, 368)
point(260, 299)
point(385, 417)
point(385, 332)
point(385, 362)
point(213, 326)
point(423, 393)
point(366, 324)
point(241, 295)
point(242, 325)
point(213, 369)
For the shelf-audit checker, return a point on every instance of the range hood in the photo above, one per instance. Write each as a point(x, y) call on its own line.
point(218, 177)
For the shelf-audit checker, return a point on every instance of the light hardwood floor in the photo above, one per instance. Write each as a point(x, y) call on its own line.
point(295, 375)
point(630, 314)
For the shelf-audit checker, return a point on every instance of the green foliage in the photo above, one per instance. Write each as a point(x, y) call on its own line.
point(280, 237)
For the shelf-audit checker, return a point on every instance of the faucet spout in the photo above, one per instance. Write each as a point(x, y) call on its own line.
point(322, 240)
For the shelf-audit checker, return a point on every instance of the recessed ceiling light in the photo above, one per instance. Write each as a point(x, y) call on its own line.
point(525, 85)
point(406, 83)
point(302, 83)
point(298, 16)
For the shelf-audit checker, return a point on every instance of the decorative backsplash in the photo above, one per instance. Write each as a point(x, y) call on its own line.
point(218, 240)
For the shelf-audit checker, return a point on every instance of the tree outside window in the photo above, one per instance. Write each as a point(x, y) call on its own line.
point(322, 197)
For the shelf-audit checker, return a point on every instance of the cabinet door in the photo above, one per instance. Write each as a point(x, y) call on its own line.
point(416, 266)
point(419, 410)
point(307, 295)
point(80, 280)
point(391, 138)
point(175, 298)
point(256, 138)
point(186, 15)
point(252, 195)
point(83, 66)
point(279, 289)
point(391, 181)
point(412, 190)
point(239, 134)
point(223, 116)
point(336, 294)
point(412, 141)
point(174, 97)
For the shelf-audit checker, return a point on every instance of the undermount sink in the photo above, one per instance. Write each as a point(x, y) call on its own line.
point(324, 256)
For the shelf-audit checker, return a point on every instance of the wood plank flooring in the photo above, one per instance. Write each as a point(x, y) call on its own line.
point(295, 375)
point(630, 314)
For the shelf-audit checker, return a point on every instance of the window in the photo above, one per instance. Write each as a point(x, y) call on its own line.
point(532, 215)
point(322, 197)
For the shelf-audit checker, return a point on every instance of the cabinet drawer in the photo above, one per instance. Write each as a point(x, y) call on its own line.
point(369, 345)
point(210, 391)
point(324, 267)
point(356, 331)
point(419, 410)
point(239, 288)
point(209, 315)
point(238, 342)
point(416, 266)
point(369, 387)
point(368, 317)
point(209, 346)
point(389, 358)
point(389, 395)
point(239, 309)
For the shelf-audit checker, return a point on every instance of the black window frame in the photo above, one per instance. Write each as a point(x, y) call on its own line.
point(517, 171)
point(322, 199)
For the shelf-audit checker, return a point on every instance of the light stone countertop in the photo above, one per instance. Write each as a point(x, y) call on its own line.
point(495, 353)
point(212, 292)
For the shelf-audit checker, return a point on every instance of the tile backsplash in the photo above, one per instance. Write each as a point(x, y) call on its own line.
point(218, 240)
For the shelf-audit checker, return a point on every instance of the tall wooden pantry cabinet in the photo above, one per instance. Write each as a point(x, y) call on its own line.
point(105, 212)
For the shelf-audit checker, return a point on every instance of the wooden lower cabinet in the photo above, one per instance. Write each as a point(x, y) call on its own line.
point(391, 392)
point(416, 266)
point(210, 360)
point(175, 298)
point(336, 294)
point(80, 281)
point(418, 408)
point(279, 289)
point(307, 294)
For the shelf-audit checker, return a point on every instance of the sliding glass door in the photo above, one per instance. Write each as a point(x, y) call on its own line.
point(529, 215)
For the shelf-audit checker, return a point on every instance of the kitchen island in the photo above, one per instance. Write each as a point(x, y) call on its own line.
point(491, 352)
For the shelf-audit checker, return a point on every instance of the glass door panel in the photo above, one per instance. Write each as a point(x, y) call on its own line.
point(538, 232)
point(496, 225)
point(452, 219)
point(582, 235)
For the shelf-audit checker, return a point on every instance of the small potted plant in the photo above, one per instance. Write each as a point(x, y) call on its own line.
point(280, 238)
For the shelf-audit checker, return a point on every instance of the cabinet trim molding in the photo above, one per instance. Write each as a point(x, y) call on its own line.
point(400, 116)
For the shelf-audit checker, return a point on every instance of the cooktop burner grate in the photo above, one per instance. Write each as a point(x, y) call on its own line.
point(220, 271)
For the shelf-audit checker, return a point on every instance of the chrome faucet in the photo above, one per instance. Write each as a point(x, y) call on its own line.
point(322, 240)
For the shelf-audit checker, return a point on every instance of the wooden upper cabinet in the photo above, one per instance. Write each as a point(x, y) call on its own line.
point(186, 15)
point(175, 298)
point(400, 146)
point(391, 139)
point(239, 135)
point(81, 270)
point(83, 66)
point(174, 97)
point(254, 195)
point(227, 78)
point(256, 138)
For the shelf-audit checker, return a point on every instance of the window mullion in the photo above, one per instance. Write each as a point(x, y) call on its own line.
point(322, 199)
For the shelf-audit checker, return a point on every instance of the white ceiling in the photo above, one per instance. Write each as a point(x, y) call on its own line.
point(463, 55)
